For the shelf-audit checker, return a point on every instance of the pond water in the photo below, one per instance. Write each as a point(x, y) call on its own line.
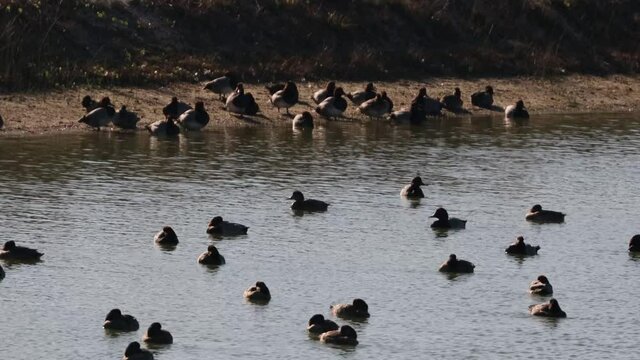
point(92, 203)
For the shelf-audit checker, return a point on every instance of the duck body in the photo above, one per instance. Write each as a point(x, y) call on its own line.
point(318, 325)
point(156, 335)
point(359, 97)
point(376, 107)
point(222, 85)
point(537, 214)
point(634, 244)
point(550, 309)
point(242, 103)
point(175, 108)
point(483, 99)
point(218, 226)
point(453, 102)
point(163, 128)
point(194, 119)
point(211, 257)
point(357, 310)
point(166, 237)
point(413, 190)
point(521, 248)
point(333, 106)
point(345, 336)
point(541, 286)
point(516, 111)
point(258, 293)
point(303, 121)
point(99, 117)
point(302, 204)
point(11, 251)
point(125, 119)
point(287, 97)
point(134, 352)
point(455, 265)
point(115, 320)
point(320, 95)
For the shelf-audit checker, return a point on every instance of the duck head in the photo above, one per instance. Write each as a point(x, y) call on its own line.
point(422, 92)
point(297, 196)
point(452, 259)
point(240, 88)
point(348, 331)
point(331, 87)
point(154, 328)
point(132, 348)
point(316, 319)
point(307, 116)
point(123, 108)
point(9, 245)
point(536, 208)
point(199, 106)
point(87, 101)
point(635, 240)
point(520, 105)
point(554, 305)
point(262, 286)
point(489, 89)
point(520, 240)
point(213, 250)
point(216, 221)
point(440, 214)
point(339, 92)
point(543, 279)
point(417, 181)
point(105, 101)
point(168, 230)
point(360, 305)
point(457, 93)
point(113, 314)
point(370, 87)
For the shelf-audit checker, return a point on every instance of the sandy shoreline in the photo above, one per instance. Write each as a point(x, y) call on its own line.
point(59, 111)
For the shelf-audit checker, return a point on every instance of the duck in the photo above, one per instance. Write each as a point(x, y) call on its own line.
point(306, 205)
point(634, 243)
point(194, 119)
point(166, 237)
point(134, 352)
point(455, 265)
point(166, 127)
point(520, 248)
point(414, 116)
point(242, 103)
point(536, 214)
point(258, 293)
point(550, 309)
point(359, 97)
point(376, 107)
point(2, 273)
point(115, 320)
point(453, 102)
point(445, 222)
point(320, 95)
point(541, 286)
point(175, 108)
point(222, 85)
point(318, 325)
point(125, 119)
point(211, 257)
point(358, 309)
point(345, 336)
point(285, 98)
point(429, 105)
point(11, 251)
point(413, 191)
point(516, 111)
point(333, 106)
point(483, 99)
point(89, 104)
point(100, 116)
point(304, 120)
point(218, 226)
point(155, 335)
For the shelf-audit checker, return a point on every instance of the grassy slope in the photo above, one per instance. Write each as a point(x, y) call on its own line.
point(49, 43)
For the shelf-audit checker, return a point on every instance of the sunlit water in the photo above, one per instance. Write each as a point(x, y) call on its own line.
point(92, 203)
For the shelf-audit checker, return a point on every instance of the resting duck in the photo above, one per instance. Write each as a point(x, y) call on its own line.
point(223, 85)
point(318, 325)
point(89, 104)
point(163, 128)
point(333, 106)
point(166, 237)
point(520, 248)
point(516, 111)
point(286, 97)
point(115, 320)
point(376, 107)
point(345, 336)
point(634, 244)
point(483, 99)
point(100, 116)
point(358, 309)
point(541, 286)
point(453, 265)
point(445, 222)
point(413, 190)
point(536, 214)
point(218, 226)
point(125, 119)
point(550, 309)
point(11, 251)
point(320, 95)
point(211, 257)
point(155, 335)
point(258, 293)
point(453, 102)
point(194, 120)
point(240, 103)
point(359, 97)
point(306, 205)
point(175, 108)
point(134, 352)
point(304, 120)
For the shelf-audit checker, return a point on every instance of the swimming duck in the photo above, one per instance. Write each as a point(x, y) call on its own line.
point(345, 336)
point(445, 222)
point(89, 104)
point(134, 352)
point(333, 106)
point(483, 99)
point(2, 274)
point(242, 103)
point(634, 244)
point(550, 309)
point(100, 116)
point(211, 257)
point(125, 119)
point(304, 120)
point(453, 102)
point(377, 107)
point(175, 108)
point(359, 97)
point(163, 128)
point(541, 286)
point(11, 251)
point(115, 320)
point(307, 205)
point(520, 248)
point(155, 335)
point(516, 111)
point(318, 325)
point(286, 97)
point(413, 190)
point(220, 227)
point(166, 237)
point(536, 214)
point(320, 95)
point(223, 85)
point(454, 265)
point(258, 293)
point(358, 309)
point(194, 120)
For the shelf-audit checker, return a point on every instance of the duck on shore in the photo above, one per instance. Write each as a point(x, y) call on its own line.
point(11, 251)
point(101, 116)
point(483, 99)
point(455, 265)
point(445, 222)
point(175, 108)
point(322, 94)
point(357, 310)
point(521, 248)
point(359, 97)
point(241, 103)
point(333, 106)
point(541, 286)
point(550, 309)
point(377, 107)
point(538, 215)
point(453, 102)
point(285, 98)
point(125, 119)
point(516, 111)
point(222, 85)
point(194, 119)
